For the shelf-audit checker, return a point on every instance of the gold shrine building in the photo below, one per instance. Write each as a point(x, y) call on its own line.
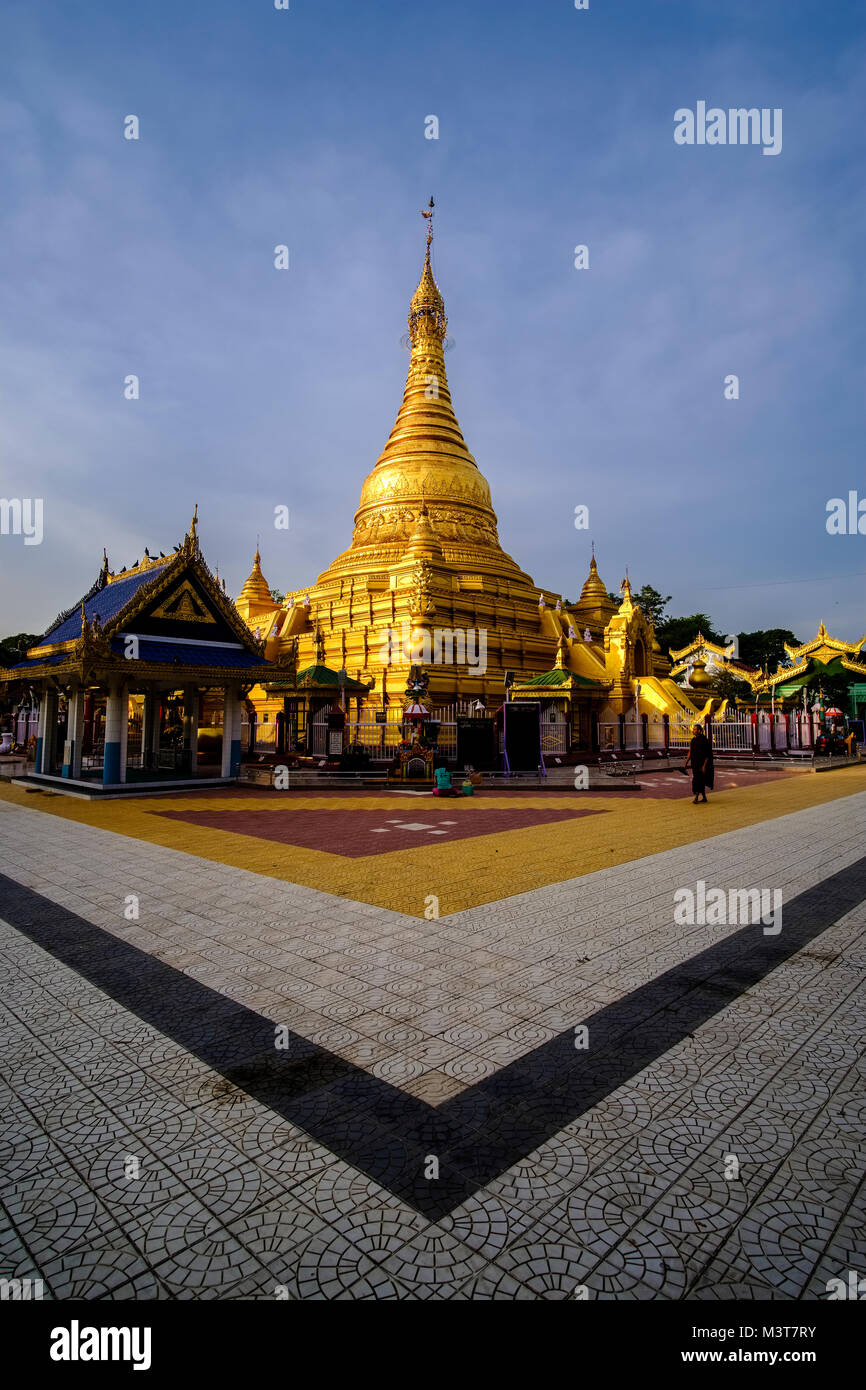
point(155, 676)
point(425, 581)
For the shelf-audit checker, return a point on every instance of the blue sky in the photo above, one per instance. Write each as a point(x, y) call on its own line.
point(601, 387)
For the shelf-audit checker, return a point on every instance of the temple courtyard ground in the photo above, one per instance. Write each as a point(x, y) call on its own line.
point(375, 1045)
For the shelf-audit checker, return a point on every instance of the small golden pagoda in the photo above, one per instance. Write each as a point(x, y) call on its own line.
point(256, 604)
point(425, 579)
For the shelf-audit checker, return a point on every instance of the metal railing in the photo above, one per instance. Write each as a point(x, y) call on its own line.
point(732, 735)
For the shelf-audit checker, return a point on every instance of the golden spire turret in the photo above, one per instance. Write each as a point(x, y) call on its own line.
point(594, 589)
point(426, 434)
point(427, 308)
point(425, 460)
point(595, 607)
point(627, 605)
point(256, 594)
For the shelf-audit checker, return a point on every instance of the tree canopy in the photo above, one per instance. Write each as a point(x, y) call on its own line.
point(676, 633)
point(766, 648)
point(13, 649)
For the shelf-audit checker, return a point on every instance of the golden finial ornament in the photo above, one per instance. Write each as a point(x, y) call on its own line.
point(428, 213)
point(190, 542)
point(427, 309)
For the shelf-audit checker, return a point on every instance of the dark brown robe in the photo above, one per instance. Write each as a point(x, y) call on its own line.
point(701, 761)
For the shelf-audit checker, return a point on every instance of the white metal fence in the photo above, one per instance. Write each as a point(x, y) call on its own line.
point(680, 732)
point(733, 735)
point(730, 735)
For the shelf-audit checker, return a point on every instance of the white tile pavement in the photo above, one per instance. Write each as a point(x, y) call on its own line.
point(630, 1200)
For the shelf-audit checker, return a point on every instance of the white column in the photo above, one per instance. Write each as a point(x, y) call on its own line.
point(154, 708)
point(75, 729)
point(50, 733)
point(190, 726)
point(231, 732)
point(237, 718)
point(124, 728)
point(116, 732)
point(40, 731)
point(146, 728)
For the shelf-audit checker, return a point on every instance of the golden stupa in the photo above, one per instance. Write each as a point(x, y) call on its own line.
point(425, 558)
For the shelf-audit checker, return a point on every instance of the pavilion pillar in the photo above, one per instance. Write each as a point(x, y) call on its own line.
point(49, 732)
point(147, 729)
point(74, 734)
point(190, 726)
point(116, 732)
point(231, 762)
point(154, 726)
point(44, 699)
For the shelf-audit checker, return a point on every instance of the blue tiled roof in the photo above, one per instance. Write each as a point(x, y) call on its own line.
point(190, 654)
point(38, 661)
point(104, 603)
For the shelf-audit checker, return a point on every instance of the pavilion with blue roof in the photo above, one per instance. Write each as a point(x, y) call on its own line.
point(142, 680)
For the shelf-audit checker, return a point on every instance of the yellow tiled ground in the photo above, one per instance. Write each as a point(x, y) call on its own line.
point(462, 873)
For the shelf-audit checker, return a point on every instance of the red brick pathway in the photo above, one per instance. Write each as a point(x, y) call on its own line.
point(355, 834)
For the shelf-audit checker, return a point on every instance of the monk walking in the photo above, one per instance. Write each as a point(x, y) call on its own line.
point(700, 760)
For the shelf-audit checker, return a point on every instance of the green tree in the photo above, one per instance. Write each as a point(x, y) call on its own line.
point(277, 596)
point(13, 649)
point(676, 633)
point(726, 685)
point(766, 648)
point(648, 600)
point(653, 605)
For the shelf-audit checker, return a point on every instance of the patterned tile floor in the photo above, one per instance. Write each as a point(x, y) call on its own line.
point(480, 868)
point(431, 1129)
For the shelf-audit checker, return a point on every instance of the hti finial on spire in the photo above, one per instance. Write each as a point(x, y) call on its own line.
point(428, 213)
point(427, 310)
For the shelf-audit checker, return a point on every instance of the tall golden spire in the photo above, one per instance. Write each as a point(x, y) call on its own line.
point(425, 462)
point(426, 435)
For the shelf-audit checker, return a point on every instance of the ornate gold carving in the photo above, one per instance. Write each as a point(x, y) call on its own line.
point(420, 602)
point(92, 644)
point(184, 605)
